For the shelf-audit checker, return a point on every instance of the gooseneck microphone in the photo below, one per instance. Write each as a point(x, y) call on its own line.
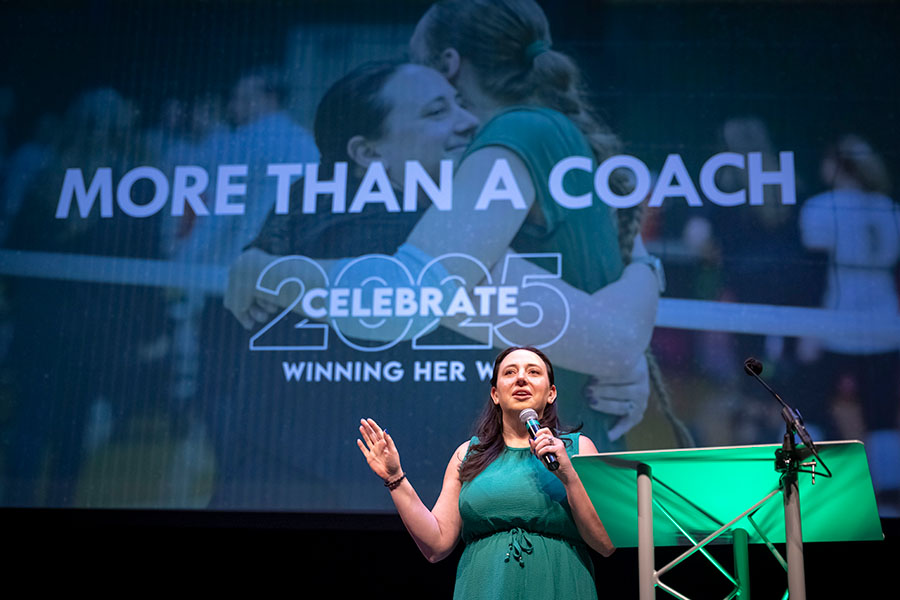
point(753, 367)
point(529, 418)
point(792, 417)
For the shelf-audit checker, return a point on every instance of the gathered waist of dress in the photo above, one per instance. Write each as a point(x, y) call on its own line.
point(519, 541)
point(489, 534)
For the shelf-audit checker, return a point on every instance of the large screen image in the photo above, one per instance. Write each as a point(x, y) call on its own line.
point(231, 230)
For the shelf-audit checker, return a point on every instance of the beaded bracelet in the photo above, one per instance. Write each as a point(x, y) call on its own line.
point(393, 485)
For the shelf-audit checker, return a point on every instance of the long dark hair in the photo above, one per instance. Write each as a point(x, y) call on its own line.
point(855, 157)
point(353, 105)
point(489, 426)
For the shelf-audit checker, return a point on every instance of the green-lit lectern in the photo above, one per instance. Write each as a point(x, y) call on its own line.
point(694, 496)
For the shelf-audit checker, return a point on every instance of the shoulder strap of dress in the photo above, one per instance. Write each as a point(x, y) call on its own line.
point(472, 442)
point(575, 438)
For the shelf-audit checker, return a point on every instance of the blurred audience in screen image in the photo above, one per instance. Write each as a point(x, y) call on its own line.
point(858, 225)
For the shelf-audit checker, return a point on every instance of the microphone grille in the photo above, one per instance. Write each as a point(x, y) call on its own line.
point(752, 366)
point(527, 414)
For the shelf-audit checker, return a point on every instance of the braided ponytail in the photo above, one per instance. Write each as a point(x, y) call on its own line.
point(508, 44)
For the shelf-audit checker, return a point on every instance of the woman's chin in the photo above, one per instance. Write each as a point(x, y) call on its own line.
point(520, 404)
point(455, 154)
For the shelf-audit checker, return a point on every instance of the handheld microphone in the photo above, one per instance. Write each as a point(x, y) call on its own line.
point(529, 418)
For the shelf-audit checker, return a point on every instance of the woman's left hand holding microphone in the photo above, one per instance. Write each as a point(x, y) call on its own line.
point(546, 443)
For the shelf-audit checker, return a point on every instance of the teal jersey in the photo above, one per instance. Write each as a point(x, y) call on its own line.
point(586, 238)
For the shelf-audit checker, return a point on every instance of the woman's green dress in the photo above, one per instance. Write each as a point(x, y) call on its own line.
point(521, 540)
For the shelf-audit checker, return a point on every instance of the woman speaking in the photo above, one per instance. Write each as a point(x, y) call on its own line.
point(526, 528)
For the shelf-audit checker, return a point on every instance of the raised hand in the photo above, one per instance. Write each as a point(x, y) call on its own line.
point(379, 450)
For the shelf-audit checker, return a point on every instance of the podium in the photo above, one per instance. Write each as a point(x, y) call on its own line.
point(694, 496)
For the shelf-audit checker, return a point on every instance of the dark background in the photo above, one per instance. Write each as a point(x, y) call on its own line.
point(662, 71)
point(362, 555)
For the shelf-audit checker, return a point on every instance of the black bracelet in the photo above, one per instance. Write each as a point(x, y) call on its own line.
point(393, 485)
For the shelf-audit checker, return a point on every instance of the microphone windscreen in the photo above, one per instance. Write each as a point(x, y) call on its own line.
point(752, 366)
point(527, 414)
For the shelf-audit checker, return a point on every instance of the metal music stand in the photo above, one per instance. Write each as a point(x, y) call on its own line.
point(693, 496)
